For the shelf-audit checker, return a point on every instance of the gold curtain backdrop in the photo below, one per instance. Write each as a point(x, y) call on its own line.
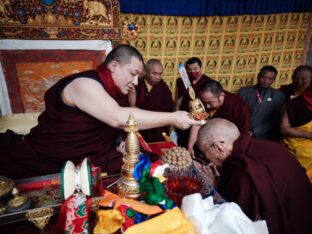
point(233, 49)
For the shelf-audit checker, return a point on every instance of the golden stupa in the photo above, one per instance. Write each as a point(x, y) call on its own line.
point(127, 185)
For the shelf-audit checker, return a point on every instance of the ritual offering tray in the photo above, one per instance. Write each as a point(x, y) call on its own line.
point(45, 200)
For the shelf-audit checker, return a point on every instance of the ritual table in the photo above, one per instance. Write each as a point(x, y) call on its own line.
point(33, 187)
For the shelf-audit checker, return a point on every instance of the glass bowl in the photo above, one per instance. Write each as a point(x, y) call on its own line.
point(179, 186)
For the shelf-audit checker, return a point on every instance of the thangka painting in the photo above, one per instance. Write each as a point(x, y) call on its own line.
point(62, 19)
point(30, 73)
point(232, 48)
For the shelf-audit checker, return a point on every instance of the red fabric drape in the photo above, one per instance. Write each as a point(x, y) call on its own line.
point(106, 76)
point(307, 96)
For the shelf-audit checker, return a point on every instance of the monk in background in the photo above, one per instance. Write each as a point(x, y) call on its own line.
point(261, 176)
point(152, 94)
point(194, 69)
point(301, 79)
point(220, 104)
point(84, 114)
point(296, 127)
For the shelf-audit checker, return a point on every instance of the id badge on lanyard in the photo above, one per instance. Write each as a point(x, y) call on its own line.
point(259, 96)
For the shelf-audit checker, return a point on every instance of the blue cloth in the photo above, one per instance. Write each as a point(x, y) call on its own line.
point(142, 164)
point(214, 7)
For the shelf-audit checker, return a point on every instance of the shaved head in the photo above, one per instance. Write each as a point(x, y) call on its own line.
point(217, 130)
point(151, 63)
point(123, 54)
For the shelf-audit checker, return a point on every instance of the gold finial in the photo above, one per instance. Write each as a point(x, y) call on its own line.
point(165, 136)
point(197, 109)
point(18, 199)
point(131, 124)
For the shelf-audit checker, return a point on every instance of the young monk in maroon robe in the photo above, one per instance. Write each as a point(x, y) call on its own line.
point(153, 94)
point(84, 113)
point(193, 67)
point(221, 104)
point(261, 176)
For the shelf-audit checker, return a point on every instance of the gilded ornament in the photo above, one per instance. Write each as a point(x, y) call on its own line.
point(127, 186)
point(130, 30)
point(40, 217)
point(19, 202)
point(197, 109)
point(6, 186)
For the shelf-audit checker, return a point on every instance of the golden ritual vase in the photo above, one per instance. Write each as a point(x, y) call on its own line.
point(127, 185)
point(197, 109)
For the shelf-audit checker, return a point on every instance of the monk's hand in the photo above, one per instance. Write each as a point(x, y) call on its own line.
point(183, 121)
point(309, 135)
point(192, 153)
point(209, 172)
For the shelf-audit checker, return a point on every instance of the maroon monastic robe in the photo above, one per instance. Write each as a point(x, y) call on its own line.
point(288, 90)
point(268, 183)
point(235, 110)
point(158, 99)
point(298, 112)
point(63, 133)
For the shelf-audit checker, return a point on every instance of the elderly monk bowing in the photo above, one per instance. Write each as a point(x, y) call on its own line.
point(153, 94)
point(221, 104)
point(84, 114)
point(261, 176)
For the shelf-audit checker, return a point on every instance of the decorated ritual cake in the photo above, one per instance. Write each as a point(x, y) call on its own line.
point(179, 160)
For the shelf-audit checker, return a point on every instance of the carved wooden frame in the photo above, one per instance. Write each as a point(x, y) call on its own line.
point(60, 20)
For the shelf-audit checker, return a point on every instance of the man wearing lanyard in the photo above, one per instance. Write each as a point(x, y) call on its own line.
point(265, 105)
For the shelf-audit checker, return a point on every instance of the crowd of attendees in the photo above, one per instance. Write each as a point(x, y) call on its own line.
point(282, 115)
point(258, 143)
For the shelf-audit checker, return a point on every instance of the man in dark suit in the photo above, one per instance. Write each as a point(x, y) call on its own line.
point(265, 104)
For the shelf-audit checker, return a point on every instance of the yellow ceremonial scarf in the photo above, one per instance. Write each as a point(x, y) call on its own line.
point(301, 148)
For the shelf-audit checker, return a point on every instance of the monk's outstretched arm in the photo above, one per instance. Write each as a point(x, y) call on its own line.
point(192, 139)
point(177, 101)
point(99, 104)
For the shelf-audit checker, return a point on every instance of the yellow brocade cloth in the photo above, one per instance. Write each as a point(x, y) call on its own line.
point(171, 222)
point(302, 148)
